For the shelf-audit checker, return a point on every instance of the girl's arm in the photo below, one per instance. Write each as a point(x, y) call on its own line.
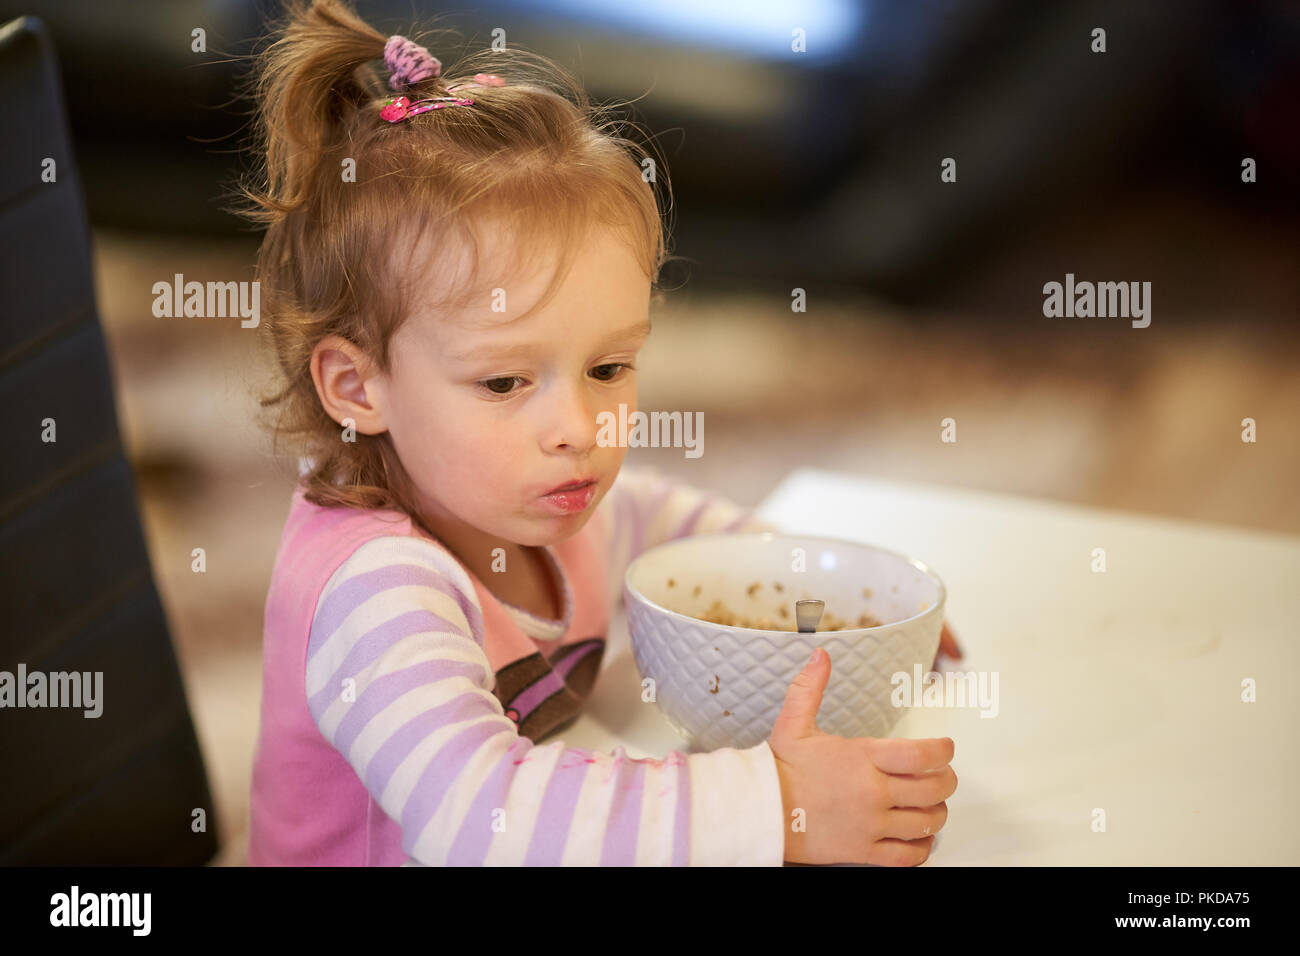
point(397, 682)
point(644, 508)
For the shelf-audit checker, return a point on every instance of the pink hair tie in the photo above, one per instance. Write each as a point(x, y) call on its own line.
point(408, 63)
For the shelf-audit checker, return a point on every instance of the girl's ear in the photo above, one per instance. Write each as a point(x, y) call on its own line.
point(340, 371)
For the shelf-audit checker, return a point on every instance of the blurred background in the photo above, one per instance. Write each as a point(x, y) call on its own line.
point(817, 170)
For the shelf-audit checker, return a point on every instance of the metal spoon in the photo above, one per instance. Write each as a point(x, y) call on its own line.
point(808, 615)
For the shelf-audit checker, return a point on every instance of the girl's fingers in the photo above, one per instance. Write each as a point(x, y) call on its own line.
point(921, 789)
point(915, 823)
point(888, 852)
point(900, 755)
point(948, 643)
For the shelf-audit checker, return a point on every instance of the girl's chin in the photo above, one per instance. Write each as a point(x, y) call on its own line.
point(557, 528)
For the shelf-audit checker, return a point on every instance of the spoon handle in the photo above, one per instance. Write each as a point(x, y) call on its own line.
point(808, 615)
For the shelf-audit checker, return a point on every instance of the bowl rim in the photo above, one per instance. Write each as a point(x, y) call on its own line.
point(771, 536)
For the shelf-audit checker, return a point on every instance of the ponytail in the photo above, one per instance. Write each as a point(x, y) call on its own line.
point(312, 78)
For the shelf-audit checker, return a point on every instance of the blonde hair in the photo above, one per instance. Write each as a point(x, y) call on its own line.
point(337, 254)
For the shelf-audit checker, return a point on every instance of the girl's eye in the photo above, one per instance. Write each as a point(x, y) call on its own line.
point(615, 368)
point(506, 386)
point(509, 383)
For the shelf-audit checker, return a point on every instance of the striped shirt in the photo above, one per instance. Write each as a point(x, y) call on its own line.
point(423, 726)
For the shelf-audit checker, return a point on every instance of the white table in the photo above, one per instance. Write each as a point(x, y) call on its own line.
point(1119, 690)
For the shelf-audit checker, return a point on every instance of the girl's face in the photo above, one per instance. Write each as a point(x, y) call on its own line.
point(488, 415)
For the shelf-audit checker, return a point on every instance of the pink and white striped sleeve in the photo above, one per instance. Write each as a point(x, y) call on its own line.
point(400, 620)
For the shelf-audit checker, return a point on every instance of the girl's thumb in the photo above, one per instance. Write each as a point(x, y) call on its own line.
point(803, 698)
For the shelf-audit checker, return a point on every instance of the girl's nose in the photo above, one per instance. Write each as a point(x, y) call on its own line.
point(570, 422)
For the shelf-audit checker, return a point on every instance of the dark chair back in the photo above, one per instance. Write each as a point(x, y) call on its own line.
point(77, 593)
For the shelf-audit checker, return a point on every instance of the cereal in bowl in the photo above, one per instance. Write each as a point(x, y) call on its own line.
point(719, 613)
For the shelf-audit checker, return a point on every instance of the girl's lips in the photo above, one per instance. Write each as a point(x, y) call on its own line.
point(570, 485)
point(571, 500)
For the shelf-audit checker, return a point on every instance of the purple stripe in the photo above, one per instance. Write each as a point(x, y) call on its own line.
point(438, 779)
point(333, 611)
point(382, 691)
point(566, 664)
point(475, 835)
point(554, 819)
point(531, 697)
point(548, 685)
point(682, 822)
point(624, 823)
point(463, 707)
point(469, 607)
point(372, 645)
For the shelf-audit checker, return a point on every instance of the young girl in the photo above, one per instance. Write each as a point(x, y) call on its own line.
point(456, 277)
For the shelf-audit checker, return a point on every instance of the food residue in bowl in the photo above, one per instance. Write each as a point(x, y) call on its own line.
point(719, 613)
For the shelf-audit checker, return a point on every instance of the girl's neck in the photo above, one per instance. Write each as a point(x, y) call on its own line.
point(516, 574)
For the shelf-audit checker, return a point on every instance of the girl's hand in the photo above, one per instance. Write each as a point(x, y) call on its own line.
point(947, 645)
point(862, 800)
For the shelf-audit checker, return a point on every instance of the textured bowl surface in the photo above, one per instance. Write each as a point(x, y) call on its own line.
point(723, 686)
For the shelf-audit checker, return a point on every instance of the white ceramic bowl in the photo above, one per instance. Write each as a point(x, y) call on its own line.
point(723, 686)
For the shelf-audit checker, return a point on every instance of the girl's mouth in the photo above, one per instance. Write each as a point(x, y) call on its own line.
point(570, 498)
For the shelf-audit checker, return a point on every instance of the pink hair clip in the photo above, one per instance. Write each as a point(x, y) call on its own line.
point(400, 107)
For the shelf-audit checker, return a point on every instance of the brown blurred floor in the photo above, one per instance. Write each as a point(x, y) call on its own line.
point(1098, 414)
